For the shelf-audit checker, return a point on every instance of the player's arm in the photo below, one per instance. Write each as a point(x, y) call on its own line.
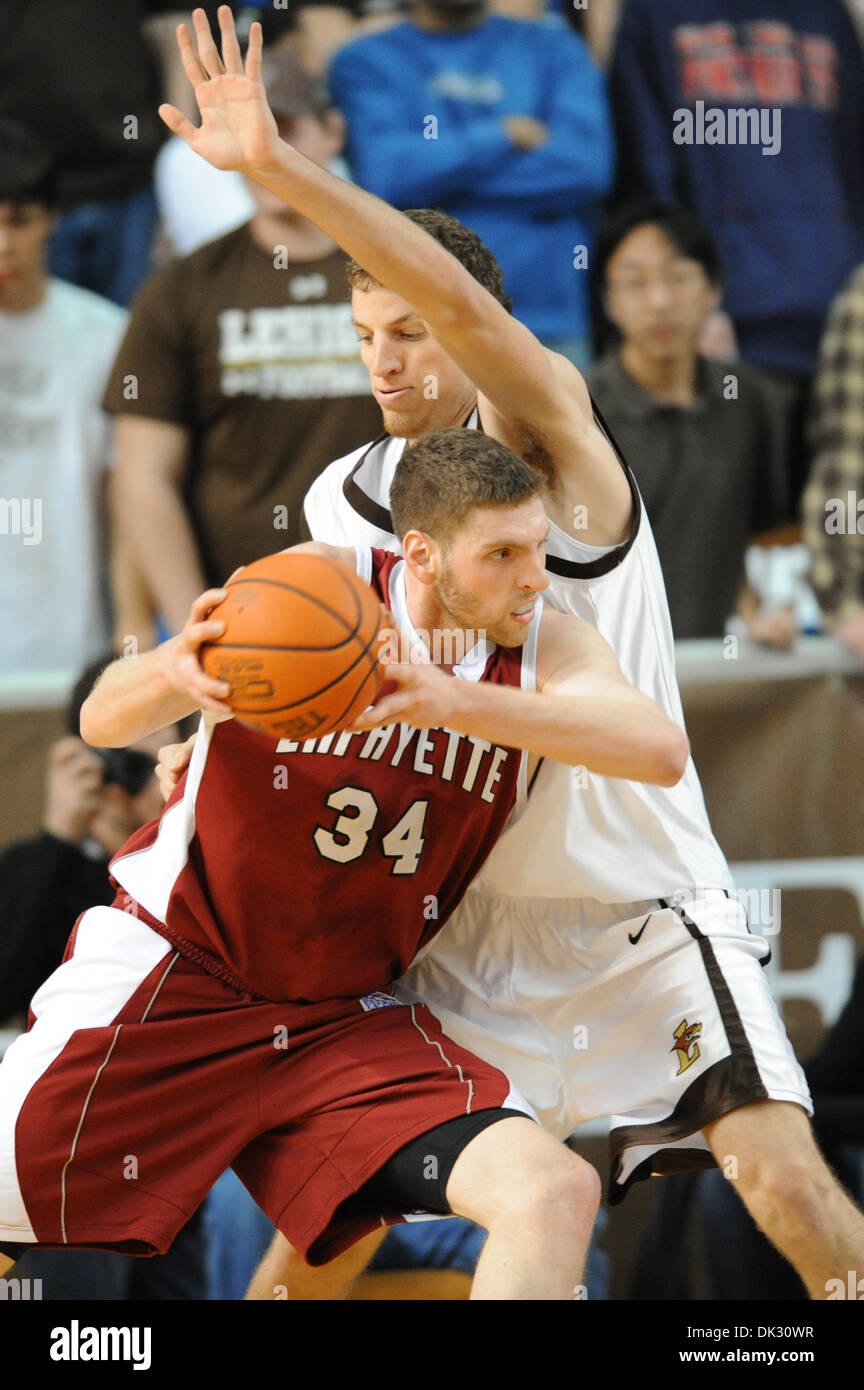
point(540, 398)
point(583, 712)
point(137, 695)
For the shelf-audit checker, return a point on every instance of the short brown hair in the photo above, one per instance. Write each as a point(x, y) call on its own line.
point(460, 241)
point(445, 474)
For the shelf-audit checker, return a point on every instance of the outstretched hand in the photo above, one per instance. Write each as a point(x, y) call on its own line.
point(237, 128)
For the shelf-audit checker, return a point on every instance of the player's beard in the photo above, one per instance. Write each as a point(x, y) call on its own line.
point(463, 609)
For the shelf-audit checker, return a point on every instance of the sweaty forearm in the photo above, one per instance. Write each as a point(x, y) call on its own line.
point(616, 736)
point(132, 698)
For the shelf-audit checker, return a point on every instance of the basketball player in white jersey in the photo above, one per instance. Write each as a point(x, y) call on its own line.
point(598, 958)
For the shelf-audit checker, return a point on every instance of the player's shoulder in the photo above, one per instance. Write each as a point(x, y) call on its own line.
point(568, 642)
point(334, 475)
point(564, 627)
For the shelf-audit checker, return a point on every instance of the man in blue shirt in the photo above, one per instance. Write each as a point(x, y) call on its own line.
point(502, 123)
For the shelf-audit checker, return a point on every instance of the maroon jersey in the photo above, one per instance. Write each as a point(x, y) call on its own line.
point(317, 870)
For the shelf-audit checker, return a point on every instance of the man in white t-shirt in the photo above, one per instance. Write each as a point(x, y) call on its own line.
point(57, 343)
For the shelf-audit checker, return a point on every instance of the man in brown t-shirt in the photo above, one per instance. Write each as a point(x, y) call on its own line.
point(237, 382)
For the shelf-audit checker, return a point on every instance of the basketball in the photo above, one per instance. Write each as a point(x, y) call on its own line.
point(299, 648)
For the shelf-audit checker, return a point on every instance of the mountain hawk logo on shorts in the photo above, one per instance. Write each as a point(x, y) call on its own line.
point(685, 1044)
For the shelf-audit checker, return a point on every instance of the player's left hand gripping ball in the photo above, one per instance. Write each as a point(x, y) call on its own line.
point(424, 697)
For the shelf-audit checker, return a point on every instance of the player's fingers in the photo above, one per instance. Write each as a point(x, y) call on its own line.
point(199, 684)
point(202, 605)
point(387, 711)
point(167, 781)
point(176, 755)
point(189, 57)
point(177, 122)
point(197, 633)
point(230, 47)
point(402, 672)
point(253, 52)
point(208, 53)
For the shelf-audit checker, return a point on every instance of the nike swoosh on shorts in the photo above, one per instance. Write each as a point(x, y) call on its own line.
point(633, 939)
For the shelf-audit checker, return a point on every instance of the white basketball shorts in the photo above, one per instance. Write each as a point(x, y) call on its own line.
point(657, 1015)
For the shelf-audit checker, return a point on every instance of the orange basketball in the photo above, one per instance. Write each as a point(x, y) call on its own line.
point(299, 648)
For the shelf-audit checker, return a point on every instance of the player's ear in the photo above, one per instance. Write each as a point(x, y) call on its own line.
point(421, 556)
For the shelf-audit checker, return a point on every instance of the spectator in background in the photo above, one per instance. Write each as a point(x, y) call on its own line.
point(237, 382)
point(503, 124)
point(94, 800)
point(833, 502)
point(94, 101)
point(707, 442)
point(57, 343)
point(315, 30)
point(787, 212)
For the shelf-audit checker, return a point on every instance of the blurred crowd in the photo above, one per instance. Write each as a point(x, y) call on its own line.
point(178, 362)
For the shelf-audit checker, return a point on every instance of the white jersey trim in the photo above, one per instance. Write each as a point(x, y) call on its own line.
point(114, 953)
point(150, 874)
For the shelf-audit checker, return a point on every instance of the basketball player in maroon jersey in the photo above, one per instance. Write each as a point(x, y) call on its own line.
point(436, 346)
point(209, 981)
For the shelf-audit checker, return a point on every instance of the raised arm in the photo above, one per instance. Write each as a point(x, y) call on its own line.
point(541, 400)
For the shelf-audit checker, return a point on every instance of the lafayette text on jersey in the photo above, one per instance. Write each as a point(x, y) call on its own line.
point(316, 870)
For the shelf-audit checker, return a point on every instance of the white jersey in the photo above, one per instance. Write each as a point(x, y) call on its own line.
point(604, 911)
point(601, 840)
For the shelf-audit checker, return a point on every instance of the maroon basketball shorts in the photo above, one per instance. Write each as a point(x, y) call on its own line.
point(143, 1077)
